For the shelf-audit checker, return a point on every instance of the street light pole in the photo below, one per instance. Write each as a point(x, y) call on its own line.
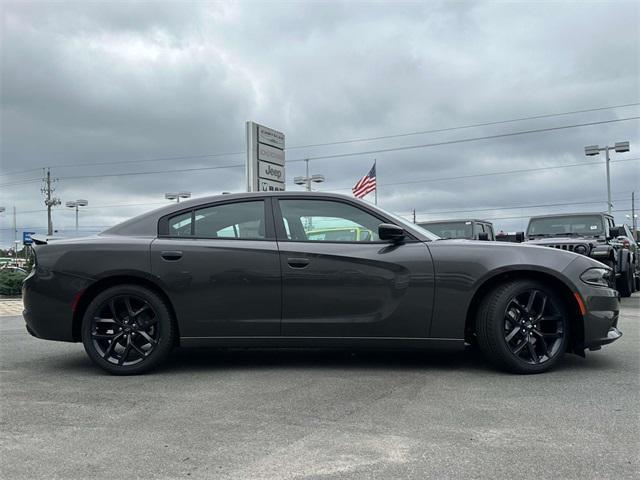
point(177, 196)
point(77, 204)
point(307, 179)
point(608, 182)
point(592, 150)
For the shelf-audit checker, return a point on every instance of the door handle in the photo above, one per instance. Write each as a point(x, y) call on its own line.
point(298, 262)
point(171, 255)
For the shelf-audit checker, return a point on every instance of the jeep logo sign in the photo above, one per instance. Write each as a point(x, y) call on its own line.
point(265, 159)
point(270, 171)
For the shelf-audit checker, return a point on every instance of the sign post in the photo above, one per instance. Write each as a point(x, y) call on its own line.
point(265, 159)
point(26, 238)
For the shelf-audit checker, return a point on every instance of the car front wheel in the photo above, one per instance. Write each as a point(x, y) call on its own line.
point(127, 329)
point(523, 327)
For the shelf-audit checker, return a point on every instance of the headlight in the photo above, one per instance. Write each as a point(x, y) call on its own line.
point(596, 276)
point(581, 249)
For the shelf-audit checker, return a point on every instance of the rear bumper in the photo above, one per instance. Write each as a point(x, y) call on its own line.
point(48, 305)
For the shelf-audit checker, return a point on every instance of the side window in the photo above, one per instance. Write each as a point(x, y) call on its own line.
point(180, 225)
point(243, 220)
point(492, 235)
point(327, 221)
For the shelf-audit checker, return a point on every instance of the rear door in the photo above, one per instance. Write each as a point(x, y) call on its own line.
point(219, 264)
point(341, 286)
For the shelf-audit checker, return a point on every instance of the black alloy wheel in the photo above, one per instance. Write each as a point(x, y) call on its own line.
point(523, 326)
point(127, 330)
point(533, 327)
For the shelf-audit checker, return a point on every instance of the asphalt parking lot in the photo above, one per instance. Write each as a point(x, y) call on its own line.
point(294, 414)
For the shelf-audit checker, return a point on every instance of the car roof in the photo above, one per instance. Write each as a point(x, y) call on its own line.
point(571, 215)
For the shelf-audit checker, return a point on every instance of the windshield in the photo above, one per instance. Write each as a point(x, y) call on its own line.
point(571, 224)
point(450, 229)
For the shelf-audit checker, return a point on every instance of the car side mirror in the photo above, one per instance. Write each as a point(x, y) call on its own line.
point(519, 237)
point(390, 232)
point(483, 236)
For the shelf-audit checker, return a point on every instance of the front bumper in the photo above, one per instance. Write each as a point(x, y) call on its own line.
point(601, 318)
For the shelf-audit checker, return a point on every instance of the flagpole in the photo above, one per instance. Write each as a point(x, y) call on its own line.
point(376, 170)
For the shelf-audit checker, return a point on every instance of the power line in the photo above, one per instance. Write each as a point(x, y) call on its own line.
point(351, 154)
point(541, 205)
point(474, 125)
point(463, 140)
point(504, 172)
point(526, 216)
point(338, 142)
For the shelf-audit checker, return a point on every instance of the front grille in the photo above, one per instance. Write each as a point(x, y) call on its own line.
point(564, 246)
point(571, 247)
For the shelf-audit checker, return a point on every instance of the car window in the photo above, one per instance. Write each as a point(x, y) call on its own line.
point(233, 220)
point(327, 221)
point(180, 225)
point(243, 220)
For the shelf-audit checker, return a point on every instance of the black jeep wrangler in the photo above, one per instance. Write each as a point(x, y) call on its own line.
point(591, 234)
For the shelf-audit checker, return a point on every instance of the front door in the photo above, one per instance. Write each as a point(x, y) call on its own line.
point(219, 265)
point(340, 280)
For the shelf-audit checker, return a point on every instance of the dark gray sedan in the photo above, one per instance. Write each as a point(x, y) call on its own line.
point(241, 271)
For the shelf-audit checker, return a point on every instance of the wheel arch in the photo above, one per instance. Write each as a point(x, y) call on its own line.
point(103, 283)
point(576, 321)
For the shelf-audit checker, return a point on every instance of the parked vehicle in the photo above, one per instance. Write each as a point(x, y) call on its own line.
point(626, 241)
point(345, 234)
point(590, 234)
point(470, 229)
point(242, 271)
point(515, 237)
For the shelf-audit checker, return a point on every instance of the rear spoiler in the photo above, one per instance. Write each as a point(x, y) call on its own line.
point(43, 239)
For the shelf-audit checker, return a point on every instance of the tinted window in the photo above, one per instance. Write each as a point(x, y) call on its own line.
point(233, 220)
point(326, 221)
point(180, 225)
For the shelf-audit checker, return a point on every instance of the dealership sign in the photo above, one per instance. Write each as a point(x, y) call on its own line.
point(265, 159)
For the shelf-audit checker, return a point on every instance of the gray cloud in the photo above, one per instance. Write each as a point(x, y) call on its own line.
point(93, 82)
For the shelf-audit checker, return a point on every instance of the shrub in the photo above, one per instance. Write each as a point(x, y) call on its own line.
point(11, 282)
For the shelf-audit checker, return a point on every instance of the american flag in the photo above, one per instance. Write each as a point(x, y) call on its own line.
point(366, 184)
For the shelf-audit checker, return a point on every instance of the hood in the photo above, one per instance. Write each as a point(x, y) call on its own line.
point(561, 241)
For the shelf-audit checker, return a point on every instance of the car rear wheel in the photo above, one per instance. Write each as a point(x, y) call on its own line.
point(523, 327)
point(127, 330)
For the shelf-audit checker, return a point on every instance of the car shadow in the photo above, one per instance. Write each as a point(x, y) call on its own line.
point(182, 360)
point(198, 360)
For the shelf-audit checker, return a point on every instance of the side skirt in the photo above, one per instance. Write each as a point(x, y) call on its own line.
point(325, 342)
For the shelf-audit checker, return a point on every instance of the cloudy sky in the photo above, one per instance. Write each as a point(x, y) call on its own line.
point(100, 91)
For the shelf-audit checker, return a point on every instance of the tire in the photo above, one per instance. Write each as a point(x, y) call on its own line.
point(625, 283)
point(520, 336)
point(128, 330)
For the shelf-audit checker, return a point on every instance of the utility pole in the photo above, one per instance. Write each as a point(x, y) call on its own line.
point(633, 212)
point(414, 215)
point(49, 201)
point(15, 228)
